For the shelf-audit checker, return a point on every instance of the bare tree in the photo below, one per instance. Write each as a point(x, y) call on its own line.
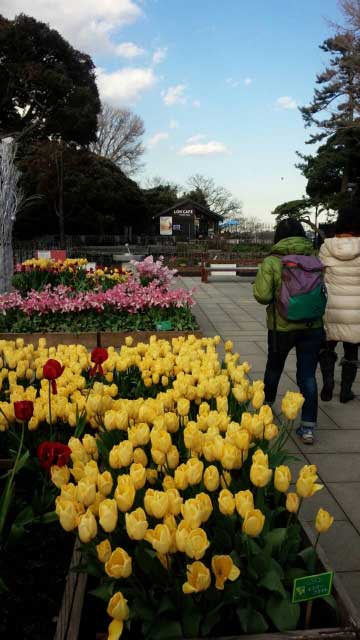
point(11, 197)
point(119, 138)
point(219, 199)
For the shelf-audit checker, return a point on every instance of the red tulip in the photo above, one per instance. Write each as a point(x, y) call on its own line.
point(24, 410)
point(52, 369)
point(98, 355)
point(50, 453)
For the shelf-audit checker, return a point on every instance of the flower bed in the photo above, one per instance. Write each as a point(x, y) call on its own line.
point(140, 303)
point(38, 273)
point(176, 484)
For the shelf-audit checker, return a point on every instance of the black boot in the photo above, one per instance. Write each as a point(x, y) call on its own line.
point(327, 359)
point(348, 375)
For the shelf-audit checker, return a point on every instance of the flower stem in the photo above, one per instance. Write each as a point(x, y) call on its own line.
point(50, 416)
point(5, 501)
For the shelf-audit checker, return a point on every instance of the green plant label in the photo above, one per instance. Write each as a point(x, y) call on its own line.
point(164, 325)
point(311, 587)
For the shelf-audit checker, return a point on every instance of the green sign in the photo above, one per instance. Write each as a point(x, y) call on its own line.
point(311, 587)
point(165, 325)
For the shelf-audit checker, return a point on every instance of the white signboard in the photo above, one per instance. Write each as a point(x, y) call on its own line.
point(166, 225)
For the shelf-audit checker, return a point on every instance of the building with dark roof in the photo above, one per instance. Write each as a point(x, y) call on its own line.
point(186, 220)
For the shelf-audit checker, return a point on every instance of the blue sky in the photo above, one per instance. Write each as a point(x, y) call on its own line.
point(217, 83)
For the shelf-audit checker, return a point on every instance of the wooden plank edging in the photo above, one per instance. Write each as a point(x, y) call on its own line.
point(68, 622)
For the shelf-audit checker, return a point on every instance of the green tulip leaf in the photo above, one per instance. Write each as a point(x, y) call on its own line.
point(283, 613)
point(272, 582)
point(251, 621)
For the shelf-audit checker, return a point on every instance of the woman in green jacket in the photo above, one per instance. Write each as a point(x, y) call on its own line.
point(283, 335)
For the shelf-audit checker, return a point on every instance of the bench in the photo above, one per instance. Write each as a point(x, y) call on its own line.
point(206, 269)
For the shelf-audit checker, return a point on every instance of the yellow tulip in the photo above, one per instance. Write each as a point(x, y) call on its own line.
point(67, 513)
point(211, 478)
point(86, 491)
point(60, 475)
point(271, 431)
point(108, 514)
point(191, 512)
point(105, 482)
point(183, 406)
point(258, 399)
point(224, 569)
point(181, 534)
point(198, 578)
point(172, 457)
point(124, 493)
point(117, 607)
point(87, 527)
point(292, 502)
point(119, 564)
point(180, 477)
point(103, 550)
point(138, 475)
point(194, 470)
point(196, 544)
point(136, 524)
point(244, 501)
point(307, 487)
point(226, 502)
point(160, 538)
point(253, 523)
point(323, 521)
point(260, 475)
point(175, 501)
point(282, 478)
point(205, 504)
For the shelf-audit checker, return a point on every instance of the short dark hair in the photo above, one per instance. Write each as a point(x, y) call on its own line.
point(348, 220)
point(288, 228)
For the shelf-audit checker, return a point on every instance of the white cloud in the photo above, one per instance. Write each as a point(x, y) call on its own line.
point(192, 139)
point(247, 82)
point(174, 95)
point(156, 138)
point(124, 86)
point(211, 148)
point(196, 104)
point(159, 55)
point(89, 25)
point(233, 83)
point(173, 124)
point(286, 102)
point(129, 50)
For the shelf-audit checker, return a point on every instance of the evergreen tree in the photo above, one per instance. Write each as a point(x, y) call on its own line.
point(335, 114)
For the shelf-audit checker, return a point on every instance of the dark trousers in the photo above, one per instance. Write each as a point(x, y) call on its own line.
point(307, 343)
point(350, 350)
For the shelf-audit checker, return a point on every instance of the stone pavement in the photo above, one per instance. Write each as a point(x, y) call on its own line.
point(225, 306)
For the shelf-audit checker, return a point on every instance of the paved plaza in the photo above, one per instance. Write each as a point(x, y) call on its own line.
point(225, 306)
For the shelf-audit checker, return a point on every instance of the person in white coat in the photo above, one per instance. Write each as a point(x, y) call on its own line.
point(341, 258)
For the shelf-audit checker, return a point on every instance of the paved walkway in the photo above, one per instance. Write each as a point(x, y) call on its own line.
point(225, 306)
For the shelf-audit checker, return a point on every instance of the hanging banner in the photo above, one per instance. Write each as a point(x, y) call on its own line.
point(166, 225)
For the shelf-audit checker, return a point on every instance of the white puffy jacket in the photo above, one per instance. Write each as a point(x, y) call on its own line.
point(341, 257)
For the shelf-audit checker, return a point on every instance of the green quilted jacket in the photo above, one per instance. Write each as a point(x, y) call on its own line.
point(268, 281)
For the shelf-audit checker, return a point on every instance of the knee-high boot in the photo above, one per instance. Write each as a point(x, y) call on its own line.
point(327, 359)
point(348, 375)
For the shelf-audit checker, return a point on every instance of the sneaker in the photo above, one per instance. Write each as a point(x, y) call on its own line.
point(306, 434)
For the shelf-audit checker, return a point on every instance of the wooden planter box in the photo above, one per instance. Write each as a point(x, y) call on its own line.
point(88, 339)
point(96, 339)
point(70, 615)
